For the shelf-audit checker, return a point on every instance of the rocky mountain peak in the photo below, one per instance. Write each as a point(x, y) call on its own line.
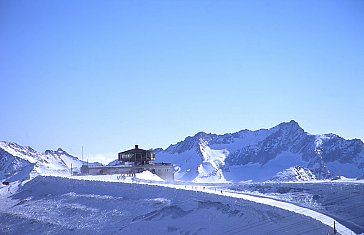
point(291, 126)
point(58, 152)
point(281, 147)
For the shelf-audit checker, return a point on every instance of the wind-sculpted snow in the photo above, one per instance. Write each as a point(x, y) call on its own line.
point(322, 155)
point(91, 196)
point(55, 205)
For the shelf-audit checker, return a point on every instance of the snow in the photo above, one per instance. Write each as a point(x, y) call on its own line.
point(249, 155)
point(106, 204)
point(71, 162)
point(63, 206)
point(210, 169)
point(25, 174)
point(143, 177)
point(25, 153)
point(203, 164)
point(296, 173)
point(319, 139)
point(24, 162)
point(348, 169)
point(245, 138)
point(186, 170)
point(290, 207)
point(147, 175)
point(258, 172)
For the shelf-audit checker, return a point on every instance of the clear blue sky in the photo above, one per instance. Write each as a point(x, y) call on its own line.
point(111, 74)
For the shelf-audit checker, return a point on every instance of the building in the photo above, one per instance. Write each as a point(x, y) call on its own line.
point(133, 161)
point(137, 156)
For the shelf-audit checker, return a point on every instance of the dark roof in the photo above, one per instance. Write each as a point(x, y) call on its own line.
point(136, 150)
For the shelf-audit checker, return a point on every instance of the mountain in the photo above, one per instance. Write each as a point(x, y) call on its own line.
point(21, 163)
point(284, 153)
point(260, 155)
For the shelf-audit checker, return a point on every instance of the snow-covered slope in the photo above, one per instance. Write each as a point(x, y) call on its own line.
point(260, 155)
point(21, 163)
point(212, 161)
point(295, 173)
point(54, 205)
point(14, 167)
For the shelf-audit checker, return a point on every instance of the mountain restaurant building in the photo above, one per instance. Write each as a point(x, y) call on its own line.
point(133, 161)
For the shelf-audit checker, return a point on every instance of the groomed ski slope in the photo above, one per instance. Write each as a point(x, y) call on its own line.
point(286, 206)
point(56, 205)
point(218, 190)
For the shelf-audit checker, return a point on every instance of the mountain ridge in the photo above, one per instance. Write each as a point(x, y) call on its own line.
point(284, 152)
point(316, 153)
point(23, 162)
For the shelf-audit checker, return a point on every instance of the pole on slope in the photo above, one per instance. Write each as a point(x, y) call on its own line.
point(82, 152)
point(334, 228)
point(71, 169)
point(338, 172)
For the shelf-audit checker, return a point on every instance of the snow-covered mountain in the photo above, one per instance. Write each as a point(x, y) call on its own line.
point(262, 154)
point(284, 153)
point(21, 163)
